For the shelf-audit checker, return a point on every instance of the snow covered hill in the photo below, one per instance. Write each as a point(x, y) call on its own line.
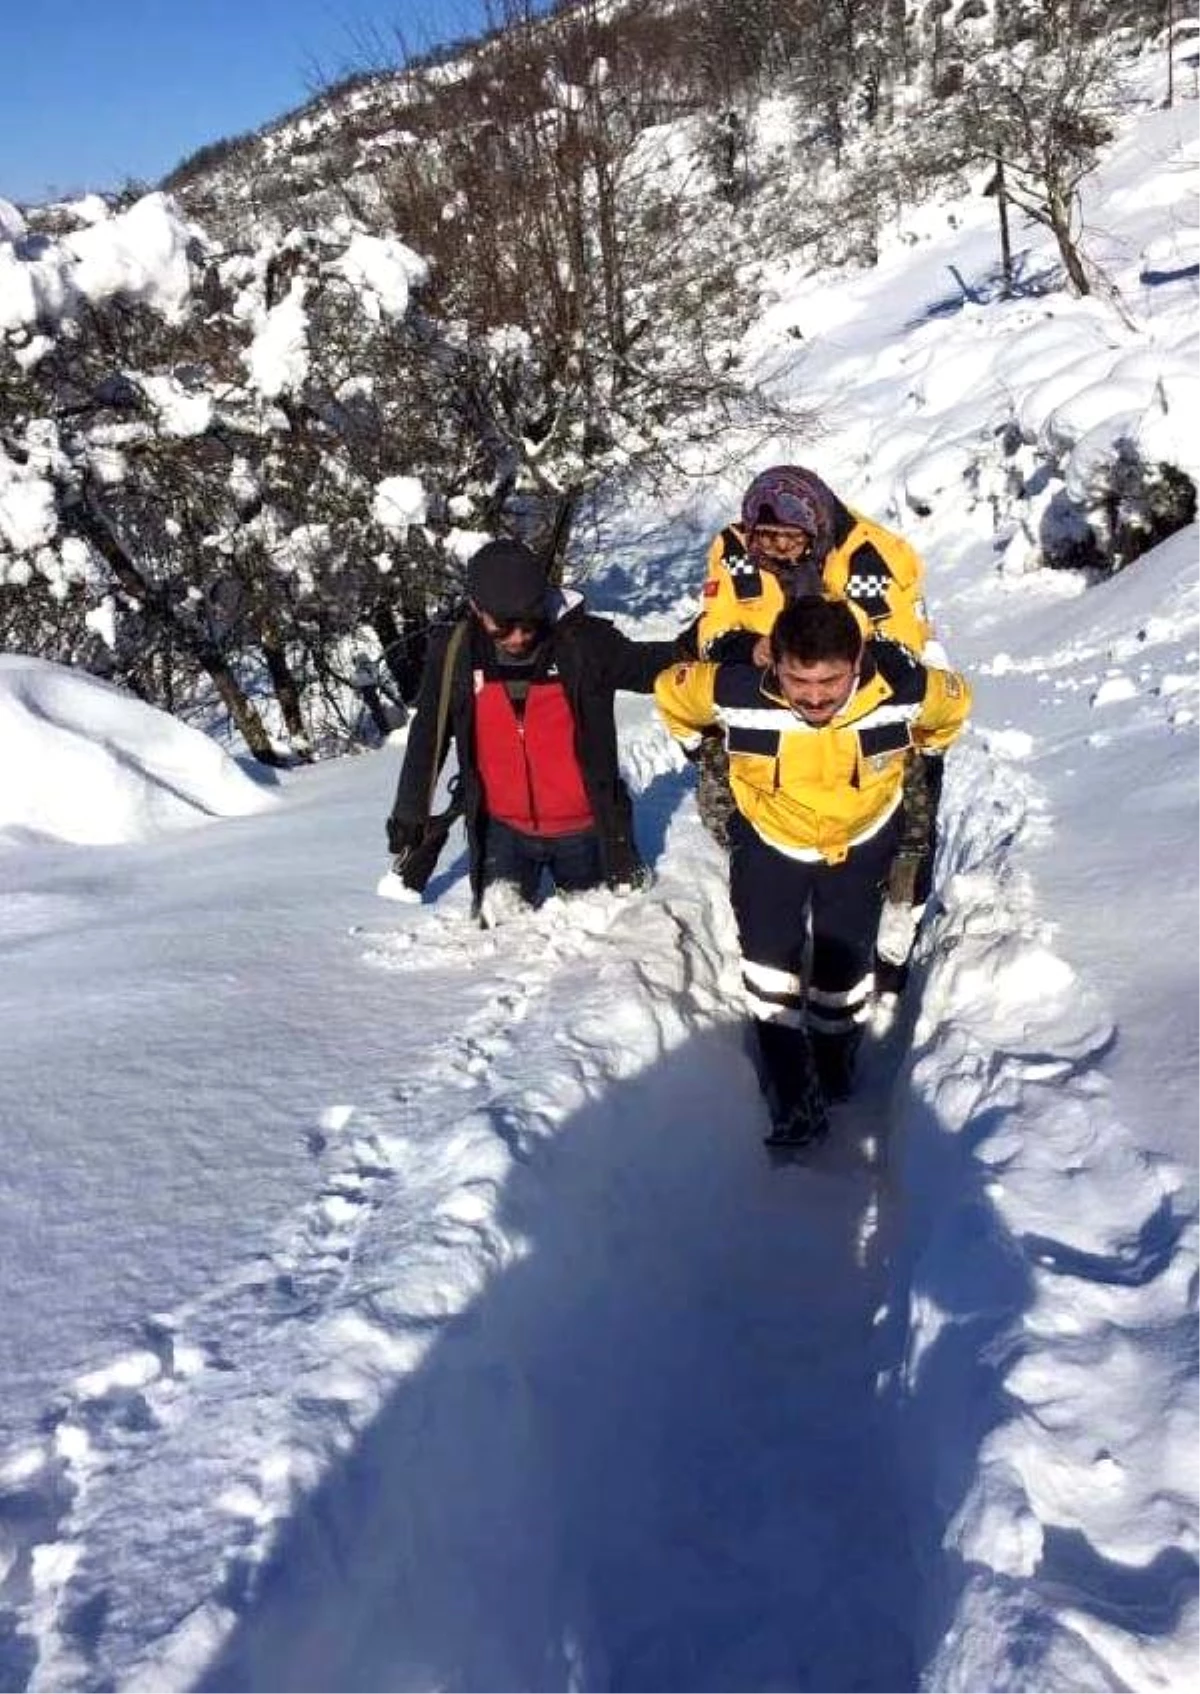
point(392, 1304)
point(80, 761)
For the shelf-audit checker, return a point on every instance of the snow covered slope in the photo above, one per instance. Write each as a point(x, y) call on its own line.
point(391, 1304)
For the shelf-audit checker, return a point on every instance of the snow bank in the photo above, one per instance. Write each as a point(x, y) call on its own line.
point(80, 761)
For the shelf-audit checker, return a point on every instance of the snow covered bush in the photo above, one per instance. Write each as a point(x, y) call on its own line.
point(192, 441)
point(1134, 505)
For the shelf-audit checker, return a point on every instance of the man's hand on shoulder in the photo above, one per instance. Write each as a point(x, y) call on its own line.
point(740, 647)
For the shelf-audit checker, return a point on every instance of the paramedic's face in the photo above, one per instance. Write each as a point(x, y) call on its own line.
point(816, 691)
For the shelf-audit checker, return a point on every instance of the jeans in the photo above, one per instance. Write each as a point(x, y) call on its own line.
point(521, 861)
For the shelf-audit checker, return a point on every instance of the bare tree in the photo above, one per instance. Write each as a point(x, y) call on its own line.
point(564, 266)
point(1043, 115)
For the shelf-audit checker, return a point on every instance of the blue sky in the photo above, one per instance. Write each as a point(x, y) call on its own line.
point(93, 92)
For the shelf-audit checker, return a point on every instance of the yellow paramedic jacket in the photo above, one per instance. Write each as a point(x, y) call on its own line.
point(871, 567)
point(815, 793)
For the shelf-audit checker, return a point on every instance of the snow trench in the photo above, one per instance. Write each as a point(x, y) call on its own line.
point(557, 1383)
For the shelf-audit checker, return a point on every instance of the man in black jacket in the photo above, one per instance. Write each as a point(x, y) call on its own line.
point(525, 690)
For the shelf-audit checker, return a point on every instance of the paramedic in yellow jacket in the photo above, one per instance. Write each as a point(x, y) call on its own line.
point(796, 537)
point(817, 744)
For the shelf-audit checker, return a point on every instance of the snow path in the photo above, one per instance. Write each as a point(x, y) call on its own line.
point(556, 1206)
point(650, 1425)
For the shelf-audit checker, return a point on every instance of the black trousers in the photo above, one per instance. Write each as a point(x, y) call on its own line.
point(807, 934)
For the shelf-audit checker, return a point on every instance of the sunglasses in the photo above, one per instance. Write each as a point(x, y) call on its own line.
point(529, 622)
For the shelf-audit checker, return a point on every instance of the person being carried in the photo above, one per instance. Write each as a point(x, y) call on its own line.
point(524, 687)
point(797, 537)
point(817, 742)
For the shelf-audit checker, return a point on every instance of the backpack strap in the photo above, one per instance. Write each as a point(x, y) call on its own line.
point(453, 648)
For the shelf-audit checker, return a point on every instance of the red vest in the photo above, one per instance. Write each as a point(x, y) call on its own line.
point(528, 766)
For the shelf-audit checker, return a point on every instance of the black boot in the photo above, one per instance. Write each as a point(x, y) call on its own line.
point(803, 1122)
point(789, 1080)
point(833, 1059)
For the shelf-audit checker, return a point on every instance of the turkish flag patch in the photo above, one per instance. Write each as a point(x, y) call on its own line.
point(710, 588)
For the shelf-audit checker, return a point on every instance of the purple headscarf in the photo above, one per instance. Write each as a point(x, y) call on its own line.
point(791, 496)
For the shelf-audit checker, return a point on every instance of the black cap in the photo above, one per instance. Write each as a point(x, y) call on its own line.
point(506, 580)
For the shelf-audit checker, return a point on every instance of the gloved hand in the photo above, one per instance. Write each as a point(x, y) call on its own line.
point(403, 835)
point(734, 647)
point(632, 880)
point(626, 869)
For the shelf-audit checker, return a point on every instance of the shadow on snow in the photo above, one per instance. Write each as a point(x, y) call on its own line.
point(652, 1455)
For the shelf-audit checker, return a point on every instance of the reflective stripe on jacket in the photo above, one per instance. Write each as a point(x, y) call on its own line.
point(820, 790)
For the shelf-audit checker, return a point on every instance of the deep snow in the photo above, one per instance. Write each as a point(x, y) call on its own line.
point(394, 1305)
